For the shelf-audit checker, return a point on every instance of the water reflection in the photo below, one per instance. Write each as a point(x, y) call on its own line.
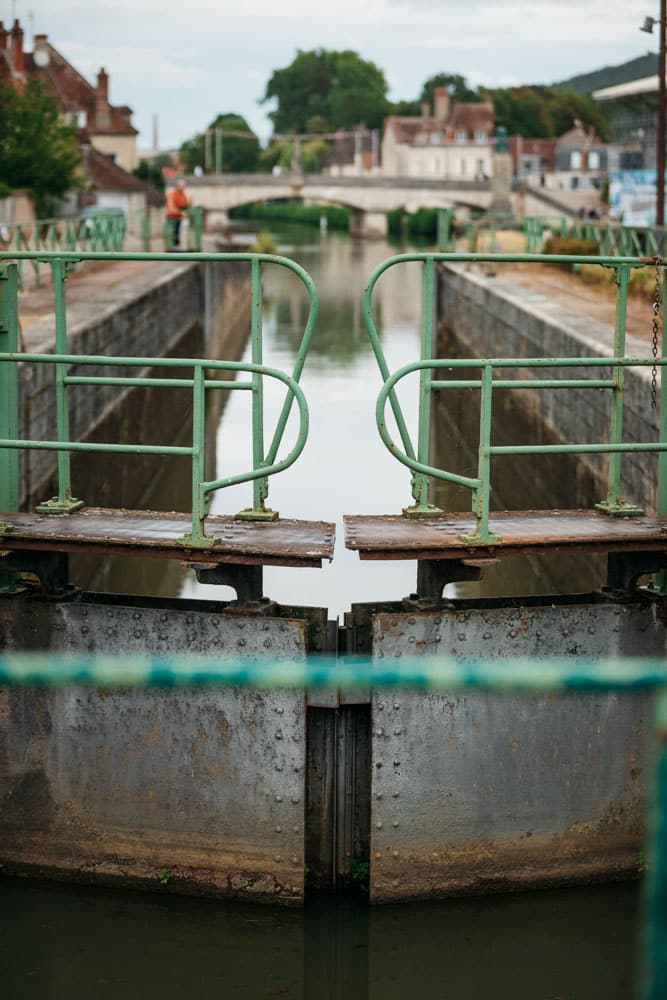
point(62, 941)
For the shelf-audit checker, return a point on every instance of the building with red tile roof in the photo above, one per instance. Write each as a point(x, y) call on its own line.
point(107, 137)
point(452, 141)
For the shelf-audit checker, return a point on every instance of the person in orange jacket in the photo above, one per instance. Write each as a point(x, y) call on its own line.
point(177, 200)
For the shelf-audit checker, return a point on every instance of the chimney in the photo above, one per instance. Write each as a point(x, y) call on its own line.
point(4, 34)
point(18, 62)
point(440, 105)
point(426, 110)
point(102, 88)
point(43, 39)
point(102, 113)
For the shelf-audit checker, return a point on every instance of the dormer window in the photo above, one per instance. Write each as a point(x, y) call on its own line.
point(436, 138)
point(481, 137)
point(460, 137)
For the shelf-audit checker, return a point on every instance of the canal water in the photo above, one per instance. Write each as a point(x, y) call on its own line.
point(75, 942)
point(577, 944)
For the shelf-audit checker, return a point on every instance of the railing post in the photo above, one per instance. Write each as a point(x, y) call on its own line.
point(654, 984)
point(481, 495)
point(198, 538)
point(421, 506)
point(260, 487)
point(197, 213)
point(64, 503)
point(614, 504)
point(9, 387)
point(146, 230)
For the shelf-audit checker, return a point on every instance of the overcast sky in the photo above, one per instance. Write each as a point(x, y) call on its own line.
point(189, 60)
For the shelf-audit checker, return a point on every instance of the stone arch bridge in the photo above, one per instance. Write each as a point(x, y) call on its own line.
point(369, 198)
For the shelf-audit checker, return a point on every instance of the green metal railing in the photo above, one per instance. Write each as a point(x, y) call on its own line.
point(98, 232)
point(429, 674)
point(265, 462)
point(612, 378)
point(612, 238)
point(104, 231)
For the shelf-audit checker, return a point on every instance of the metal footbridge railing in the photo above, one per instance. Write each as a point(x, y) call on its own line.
point(202, 378)
point(103, 231)
point(490, 374)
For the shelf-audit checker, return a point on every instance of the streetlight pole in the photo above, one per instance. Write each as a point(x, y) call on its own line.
point(660, 138)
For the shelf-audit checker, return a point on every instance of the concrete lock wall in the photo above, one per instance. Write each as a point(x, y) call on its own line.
point(489, 317)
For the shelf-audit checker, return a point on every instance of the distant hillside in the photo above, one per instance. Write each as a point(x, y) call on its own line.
point(609, 76)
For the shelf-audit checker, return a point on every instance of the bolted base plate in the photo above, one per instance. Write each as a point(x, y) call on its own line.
point(428, 511)
point(620, 509)
point(57, 506)
point(257, 515)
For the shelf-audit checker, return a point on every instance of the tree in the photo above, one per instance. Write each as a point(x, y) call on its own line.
point(541, 112)
point(151, 170)
point(456, 85)
point(337, 89)
point(38, 151)
point(239, 154)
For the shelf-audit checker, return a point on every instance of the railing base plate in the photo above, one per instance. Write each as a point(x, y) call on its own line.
point(57, 506)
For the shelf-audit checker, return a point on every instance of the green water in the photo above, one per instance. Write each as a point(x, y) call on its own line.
point(67, 942)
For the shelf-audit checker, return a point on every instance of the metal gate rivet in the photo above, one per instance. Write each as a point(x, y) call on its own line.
point(278, 857)
point(397, 704)
point(395, 795)
point(295, 861)
point(397, 732)
point(486, 636)
point(379, 732)
point(295, 800)
point(279, 829)
point(395, 823)
point(379, 795)
point(379, 824)
point(394, 854)
point(380, 707)
point(461, 636)
point(279, 734)
point(280, 710)
point(295, 829)
point(279, 798)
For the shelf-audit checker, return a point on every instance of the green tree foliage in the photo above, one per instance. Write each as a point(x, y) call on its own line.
point(151, 170)
point(456, 85)
point(541, 112)
point(239, 155)
point(339, 89)
point(38, 151)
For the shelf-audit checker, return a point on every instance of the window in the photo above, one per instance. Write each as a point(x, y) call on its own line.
point(460, 136)
point(436, 138)
point(593, 160)
point(575, 160)
point(480, 136)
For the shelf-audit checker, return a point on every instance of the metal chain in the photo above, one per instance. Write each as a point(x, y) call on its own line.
point(654, 347)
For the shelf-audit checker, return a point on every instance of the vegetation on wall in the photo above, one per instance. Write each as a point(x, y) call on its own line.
point(293, 211)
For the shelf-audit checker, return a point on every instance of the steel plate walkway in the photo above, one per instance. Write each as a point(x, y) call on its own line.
point(160, 535)
point(518, 532)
